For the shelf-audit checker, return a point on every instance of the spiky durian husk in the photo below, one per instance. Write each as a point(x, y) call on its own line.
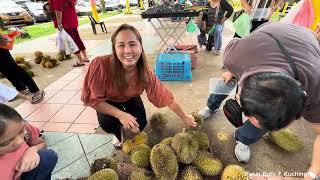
point(38, 54)
point(207, 164)
point(286, 140)
point(103, 163)
point(167, 141)
point(37, 60)
point(190, 173)
point(141, 174)
point(19, 60)
point(128, 146)
point(140, 147)
point(27, 63)
point(185, 147)
point(105, 174)
point(202, 139)
point(164, 162)
point(234, 172)
point(141, 138)
point(141, 158)
point(158, 122)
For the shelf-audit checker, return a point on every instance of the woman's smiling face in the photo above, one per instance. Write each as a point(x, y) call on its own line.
point(128, 48)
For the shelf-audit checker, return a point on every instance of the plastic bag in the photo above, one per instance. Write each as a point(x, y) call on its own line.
point(242, 25)
point(288, 18)
point(212, 29)
point(10, 38)
point(192, 29)
point(218, 86)
point(305, 16)
point(65, 43)
point(191, 26)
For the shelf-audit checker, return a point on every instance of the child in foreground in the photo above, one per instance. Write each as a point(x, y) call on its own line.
point(23, 154)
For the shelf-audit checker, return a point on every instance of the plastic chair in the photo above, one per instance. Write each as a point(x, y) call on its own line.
point(94, 22)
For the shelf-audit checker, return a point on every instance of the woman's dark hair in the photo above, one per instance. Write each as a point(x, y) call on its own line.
point(7, 114)
point(142, 66)
point(274, 99)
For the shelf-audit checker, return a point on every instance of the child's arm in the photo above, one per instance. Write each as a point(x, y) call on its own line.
point(30, 159)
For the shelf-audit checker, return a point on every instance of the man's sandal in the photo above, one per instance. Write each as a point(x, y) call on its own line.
point(77, 64)
point(25, 92)
point(37, 97)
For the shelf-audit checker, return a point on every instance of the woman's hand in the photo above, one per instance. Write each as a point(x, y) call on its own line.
point(189, 121)
point(127, 120)
point(29, 161)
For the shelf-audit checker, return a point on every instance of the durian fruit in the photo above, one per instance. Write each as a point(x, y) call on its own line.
point(140, 147)
point(54, 61)
point(19, 60)
point(30, 73)
point(202, 139)
point(234, 172)
point(141, 158)
point(27, 63)
point(43, 63)
point(37, 60)
point(207, 165)
point(163, 162)
point(199, 119)
point(141, 174)
point(62, 53)
point(185, 147)
point(67, 56)
point(38, 54)
point(141, 138)
point(48, 64)
point(190, 173)
point(286, 140)
point(46, 58)
point(128, 146)
point(103, 163)
point(23, 66)
point(59, 57)
point(158, 122)
point(167, 141)
point(105, 174)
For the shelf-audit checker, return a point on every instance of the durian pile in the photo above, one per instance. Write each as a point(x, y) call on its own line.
point(184, 156)
point(44, 60)
point(24, 65)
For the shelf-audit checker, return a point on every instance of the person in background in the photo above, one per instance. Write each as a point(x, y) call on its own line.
point(255, 8)
point(18, 77)
point(23, 154)
point(114, 83)
point(218, 12)
point(66, 18)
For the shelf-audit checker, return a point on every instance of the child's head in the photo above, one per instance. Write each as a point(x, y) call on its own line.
point(11, 129)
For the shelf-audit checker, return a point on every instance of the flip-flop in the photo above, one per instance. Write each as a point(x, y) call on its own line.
point(25, 92)
point(87, 60)
point(36, 98)
point(77, 64)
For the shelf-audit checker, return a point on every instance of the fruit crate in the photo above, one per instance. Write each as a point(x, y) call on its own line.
point(173, 67)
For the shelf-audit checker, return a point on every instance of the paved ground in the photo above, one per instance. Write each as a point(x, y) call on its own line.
point(70, 125)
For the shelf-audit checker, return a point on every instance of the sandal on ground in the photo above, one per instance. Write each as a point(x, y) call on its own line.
point(37, 97)
point(77, 64)
point(86, 60)
point(25, 92)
